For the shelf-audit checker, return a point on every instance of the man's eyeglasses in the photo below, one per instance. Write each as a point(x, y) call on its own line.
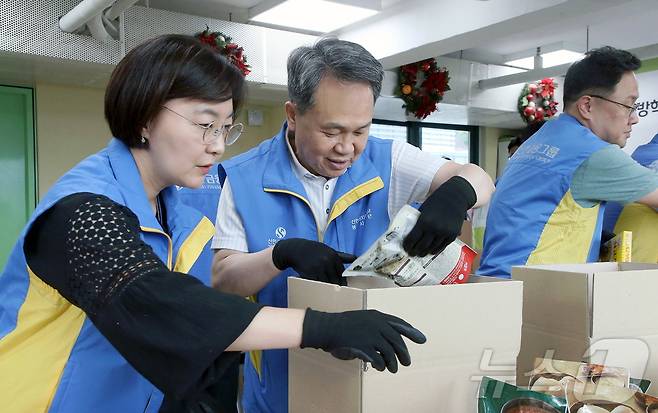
point(631, 109)
point(212, 134)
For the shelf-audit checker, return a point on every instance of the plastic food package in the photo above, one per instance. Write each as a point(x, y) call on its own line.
point(581, 399)
point(550, 376)
point(387, 258)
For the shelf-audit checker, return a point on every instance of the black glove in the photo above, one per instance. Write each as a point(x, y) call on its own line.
point(311, 259)
point(369, 335)
point(441, 218)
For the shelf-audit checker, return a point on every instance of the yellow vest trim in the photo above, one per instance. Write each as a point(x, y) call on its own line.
point(358, 192)
point(193, 245)
point(567, 235)
point(169, 250)
point(642, 220)
point(34, 354)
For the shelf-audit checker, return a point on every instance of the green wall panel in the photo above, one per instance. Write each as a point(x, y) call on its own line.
point(17, 165)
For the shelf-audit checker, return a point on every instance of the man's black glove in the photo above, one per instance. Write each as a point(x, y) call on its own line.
point(311, 259)
point(369, 335)
point(441, 218)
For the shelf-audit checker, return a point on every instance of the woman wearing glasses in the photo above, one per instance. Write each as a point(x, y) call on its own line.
point(102, 305)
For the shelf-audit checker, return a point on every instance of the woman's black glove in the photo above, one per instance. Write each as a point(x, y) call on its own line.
point(441, 218)
point(369, 335)
point(312, 260)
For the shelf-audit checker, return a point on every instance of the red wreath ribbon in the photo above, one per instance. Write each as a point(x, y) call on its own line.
point(232, 52)
point(422, 98)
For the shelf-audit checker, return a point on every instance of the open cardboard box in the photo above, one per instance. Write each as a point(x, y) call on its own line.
point(472, 330)
point(605, 313)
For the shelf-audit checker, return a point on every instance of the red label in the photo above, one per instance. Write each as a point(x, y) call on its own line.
point(462, 269)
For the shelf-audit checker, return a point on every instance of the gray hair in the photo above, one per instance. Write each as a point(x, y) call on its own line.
point(346, 61)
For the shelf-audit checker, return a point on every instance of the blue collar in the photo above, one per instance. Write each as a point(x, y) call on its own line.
point(280, 175)
point(127, 175)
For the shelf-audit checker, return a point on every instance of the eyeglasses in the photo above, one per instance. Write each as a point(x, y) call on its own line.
point(212, 134)
point(631, 109)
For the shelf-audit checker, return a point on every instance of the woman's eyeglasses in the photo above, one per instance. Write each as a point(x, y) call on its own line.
point(212, 134)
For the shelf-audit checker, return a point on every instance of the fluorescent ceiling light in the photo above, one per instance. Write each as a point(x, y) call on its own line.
point(550, 59)
point(313, 15)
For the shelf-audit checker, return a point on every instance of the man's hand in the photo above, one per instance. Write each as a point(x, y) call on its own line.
point(312, 260)
point(441, 218)
point(369, 335)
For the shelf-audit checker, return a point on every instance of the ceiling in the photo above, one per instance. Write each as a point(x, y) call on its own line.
point(523, 26)
point(234, 10)
point(484, 31)
point(622, 24)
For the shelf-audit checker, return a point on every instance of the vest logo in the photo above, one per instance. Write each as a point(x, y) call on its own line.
point(211, 181)
point(361, 220)
point(539, 152)
point(279, 234)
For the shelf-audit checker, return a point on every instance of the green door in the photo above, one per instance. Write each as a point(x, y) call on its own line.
point(17, 165)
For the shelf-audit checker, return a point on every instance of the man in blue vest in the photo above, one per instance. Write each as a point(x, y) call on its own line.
point(647, 156)
point(640, 219)
point(549, 203)
point(306, 201)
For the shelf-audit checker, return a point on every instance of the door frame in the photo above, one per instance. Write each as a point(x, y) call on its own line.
point(30, 144)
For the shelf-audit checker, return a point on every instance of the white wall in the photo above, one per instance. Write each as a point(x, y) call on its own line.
point(70, 126)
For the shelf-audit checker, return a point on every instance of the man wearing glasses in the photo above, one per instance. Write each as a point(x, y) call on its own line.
point(549, 204)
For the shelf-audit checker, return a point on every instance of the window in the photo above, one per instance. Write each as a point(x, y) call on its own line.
point(459, 143)
point(453, 144)
point(384, 131)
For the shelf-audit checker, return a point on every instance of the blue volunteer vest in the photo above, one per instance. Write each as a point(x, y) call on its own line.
point(533, 218)
point(273, 205)
point(205, 198)
point(640, 219)
point(52, 358)
point(647, 156)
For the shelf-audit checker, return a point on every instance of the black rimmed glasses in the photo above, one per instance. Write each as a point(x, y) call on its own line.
point(631, 109)
point(212, 134)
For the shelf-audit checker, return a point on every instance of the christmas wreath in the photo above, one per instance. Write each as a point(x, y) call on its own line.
point(537, 100)
point(421, 86)
point(223, 43)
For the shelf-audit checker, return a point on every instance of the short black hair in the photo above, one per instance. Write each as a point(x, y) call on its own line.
point(525, 134)
point(598, 73)
point(163, 68)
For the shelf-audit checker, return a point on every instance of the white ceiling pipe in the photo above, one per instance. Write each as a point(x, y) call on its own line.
point(97, 29)
point(82, 13)
point(111, 27)
point(119, 7)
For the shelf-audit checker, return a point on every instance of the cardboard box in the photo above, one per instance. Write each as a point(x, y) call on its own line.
point(472, 330)
point(604, 313)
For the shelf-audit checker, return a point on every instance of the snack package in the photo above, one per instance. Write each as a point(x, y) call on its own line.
point(387, 258)
point(608, 399)
point(619, 248)
point(551, 376)
point(499, 397)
